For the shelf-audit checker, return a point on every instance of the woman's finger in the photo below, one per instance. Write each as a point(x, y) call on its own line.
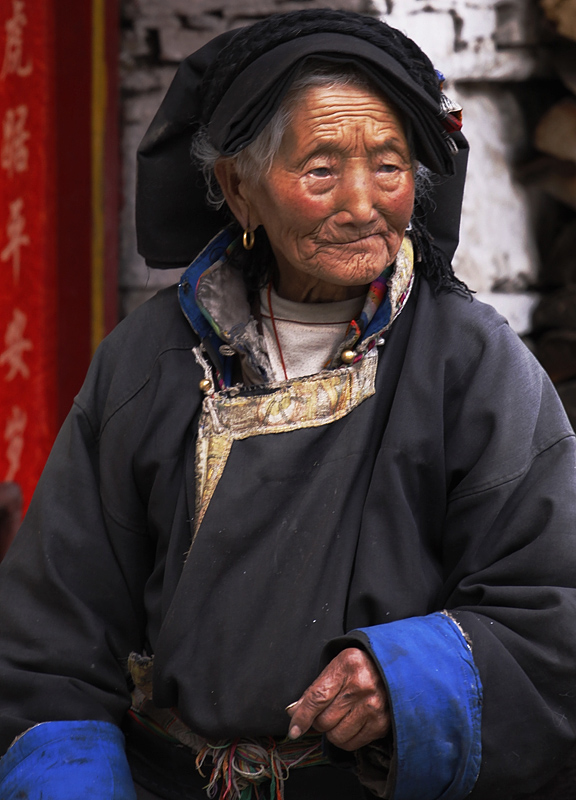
point(347, 695)
point(318, 696)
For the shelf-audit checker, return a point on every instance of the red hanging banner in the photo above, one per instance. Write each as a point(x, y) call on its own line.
point(27, 244)
point(58, 215)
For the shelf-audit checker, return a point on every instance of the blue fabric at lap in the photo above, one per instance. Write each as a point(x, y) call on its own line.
point(66, 761)
point(435, 696)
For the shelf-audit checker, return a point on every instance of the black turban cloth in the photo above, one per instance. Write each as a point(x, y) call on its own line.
point(173, 220)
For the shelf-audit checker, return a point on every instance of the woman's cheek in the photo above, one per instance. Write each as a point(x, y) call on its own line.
point(296, 194)
point(400, 205)
point(309, 210)
point(407, 193)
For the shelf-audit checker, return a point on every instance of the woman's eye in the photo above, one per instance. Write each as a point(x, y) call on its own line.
point(320, 172)
point(387, 169)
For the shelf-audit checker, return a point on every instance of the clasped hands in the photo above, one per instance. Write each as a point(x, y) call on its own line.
point(347, 702)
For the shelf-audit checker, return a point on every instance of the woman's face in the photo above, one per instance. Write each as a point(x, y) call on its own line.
point(339, 195)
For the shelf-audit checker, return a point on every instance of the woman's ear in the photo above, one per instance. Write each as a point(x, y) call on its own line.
point(236, 192)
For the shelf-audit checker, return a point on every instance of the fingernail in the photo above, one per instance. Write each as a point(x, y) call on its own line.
point(294, 732)
point(295, 703)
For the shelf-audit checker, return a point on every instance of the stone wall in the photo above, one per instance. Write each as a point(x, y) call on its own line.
point(486, 49)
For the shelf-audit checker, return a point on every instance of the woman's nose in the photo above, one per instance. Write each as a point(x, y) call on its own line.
point(357, 197)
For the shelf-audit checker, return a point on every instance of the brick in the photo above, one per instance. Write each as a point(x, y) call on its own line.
point(134, 45)
point(564, 62)
point(141, 108)
point(176, 44)
point(567, 394)
point(551, 175)
point(556, 351)
point(140, 81)
point(559, 268)
point(516, 24)
point(556, 131)
point(153, 8)
point(556, 310)
point(563, 14)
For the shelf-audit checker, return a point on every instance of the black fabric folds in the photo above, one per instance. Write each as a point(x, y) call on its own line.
point(173, 221)
point(256, 93)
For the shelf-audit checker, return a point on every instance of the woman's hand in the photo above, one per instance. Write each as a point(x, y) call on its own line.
point(347, 702)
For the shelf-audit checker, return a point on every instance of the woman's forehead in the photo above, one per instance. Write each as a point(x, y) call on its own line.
point(343, 114)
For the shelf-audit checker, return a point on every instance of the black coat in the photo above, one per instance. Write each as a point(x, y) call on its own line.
point(450, 487)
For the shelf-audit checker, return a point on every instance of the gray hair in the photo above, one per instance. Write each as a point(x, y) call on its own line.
point(256, 159)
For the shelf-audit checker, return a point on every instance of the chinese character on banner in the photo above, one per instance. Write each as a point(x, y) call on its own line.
point(14, 155)
point(16, 237)
point(13, 63)
point(16, 345)
point(14, 436)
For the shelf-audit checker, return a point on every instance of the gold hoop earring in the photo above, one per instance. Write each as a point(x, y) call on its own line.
point(248, 239)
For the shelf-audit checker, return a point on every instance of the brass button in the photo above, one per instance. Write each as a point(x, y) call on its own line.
point(205, 385)
point(348, 356)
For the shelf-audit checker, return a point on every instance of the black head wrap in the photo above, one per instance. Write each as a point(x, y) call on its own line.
point(235, 84)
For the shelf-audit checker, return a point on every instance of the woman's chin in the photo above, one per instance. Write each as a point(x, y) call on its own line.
point(354, 268)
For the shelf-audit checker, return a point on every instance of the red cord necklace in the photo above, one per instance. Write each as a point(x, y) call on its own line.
point(274, 329)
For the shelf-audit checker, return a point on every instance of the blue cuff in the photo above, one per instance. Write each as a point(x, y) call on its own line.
point(65, 761)
point(435, 696)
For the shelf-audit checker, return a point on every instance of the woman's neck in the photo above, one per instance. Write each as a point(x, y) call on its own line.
point(302, 288)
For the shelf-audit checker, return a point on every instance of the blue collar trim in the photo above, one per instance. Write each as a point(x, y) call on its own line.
point(214, 251)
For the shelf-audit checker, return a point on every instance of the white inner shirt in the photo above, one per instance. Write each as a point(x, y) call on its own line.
point(308, 333)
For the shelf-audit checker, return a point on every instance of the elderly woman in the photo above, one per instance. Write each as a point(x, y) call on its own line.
point(308, 529)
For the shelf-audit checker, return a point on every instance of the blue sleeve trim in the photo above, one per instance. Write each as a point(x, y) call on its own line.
point(435, 695)
point(65, 761)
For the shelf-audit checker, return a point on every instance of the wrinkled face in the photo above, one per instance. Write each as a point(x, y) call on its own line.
point(340, 192)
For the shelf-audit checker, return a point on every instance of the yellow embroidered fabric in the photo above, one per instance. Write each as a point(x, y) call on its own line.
point(290, 405)
point(400, 283)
